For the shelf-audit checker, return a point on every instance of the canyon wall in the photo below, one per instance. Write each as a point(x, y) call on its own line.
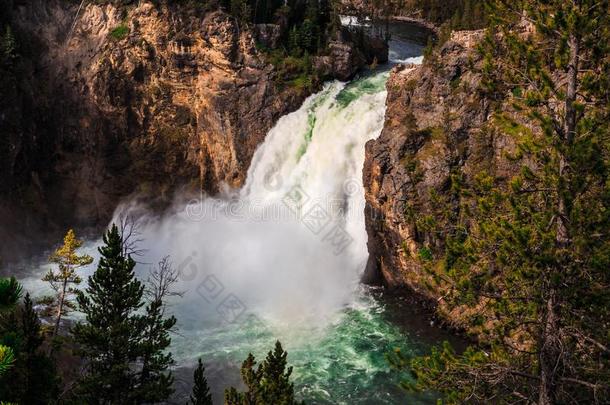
point(435, 132)
point(145, 99)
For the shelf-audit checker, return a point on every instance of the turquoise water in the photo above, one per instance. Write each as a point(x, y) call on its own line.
point(373, 83)
point(343, 362)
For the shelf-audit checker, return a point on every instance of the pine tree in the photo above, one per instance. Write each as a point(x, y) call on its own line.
point(241, 11)
point(154, 383)
point(530, 256)
point(6, 358)
point(8, 46)
point(251, 376)
point(40, 382)
point(275, 383)
point(294, 42)
point(110, 337)
point(10, 292)
point(269, 383)
point(32, 379)
point(201, 392)
point(125, 347)
point(68, 261)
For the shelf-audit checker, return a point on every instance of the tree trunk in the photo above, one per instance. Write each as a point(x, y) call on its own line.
point(549, 354)
point(550, 350)
point(387, 21)
point(256, 12)
point(570, 124)
point(569, 129)
point(60, 307)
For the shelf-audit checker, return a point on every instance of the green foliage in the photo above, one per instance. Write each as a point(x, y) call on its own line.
point(201, 392)
point(454, 15)
point(458, 14)
point(305, 22)
point(120, 32)
point(113, 327)
point(8, 45)
point(117, 335)
point(68, 261)
point(241, 11)
point(10, 292)
point(6, 358)
point(294, 71)
point(32, 378)
point(425, 254)
point(154, 384)
point(269, 383)
point(527, 257)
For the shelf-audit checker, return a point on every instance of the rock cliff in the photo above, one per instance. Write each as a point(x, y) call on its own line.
point(122, 100)
point(435, 131)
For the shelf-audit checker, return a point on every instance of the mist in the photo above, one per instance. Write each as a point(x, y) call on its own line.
point(290, 246)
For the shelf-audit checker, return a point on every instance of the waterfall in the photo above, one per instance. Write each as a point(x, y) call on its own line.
point(290, 245)
point(281, 258)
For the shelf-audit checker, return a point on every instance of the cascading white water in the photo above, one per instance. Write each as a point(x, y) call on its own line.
point(282, 257)
point(285, 260)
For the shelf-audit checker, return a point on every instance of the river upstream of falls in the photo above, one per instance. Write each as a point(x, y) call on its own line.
point(282, 259)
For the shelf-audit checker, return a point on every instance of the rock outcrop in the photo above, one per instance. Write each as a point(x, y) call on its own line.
point(435, 129)
point(119, 100)
point(347, 54)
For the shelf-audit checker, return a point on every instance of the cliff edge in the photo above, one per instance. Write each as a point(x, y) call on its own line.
point(435, 132)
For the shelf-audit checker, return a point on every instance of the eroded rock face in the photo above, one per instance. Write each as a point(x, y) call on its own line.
point(347, 54)
point(136, 100)
point(435, 128)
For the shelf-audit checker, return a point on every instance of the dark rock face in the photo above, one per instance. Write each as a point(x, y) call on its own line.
point(171, 99)
point(434, 128)
point(268, 35)
point(349, 53)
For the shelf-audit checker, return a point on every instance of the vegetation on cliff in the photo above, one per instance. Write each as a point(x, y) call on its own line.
point(459, 14)
point(527, 257)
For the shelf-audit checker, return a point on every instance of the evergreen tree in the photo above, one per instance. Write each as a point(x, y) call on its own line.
point(240, 9)
point(275, 385)
point(201, 392)
point(294, 42)
point(530, 256)
point(8, 46)
point(6, 358)
point(32, 379)
point(269, 383)
point(110, 338)
point(124, 346)
point(40, 382)
point(10, 291)
point(68, 261)
point(154, 383)
point(251, 376)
